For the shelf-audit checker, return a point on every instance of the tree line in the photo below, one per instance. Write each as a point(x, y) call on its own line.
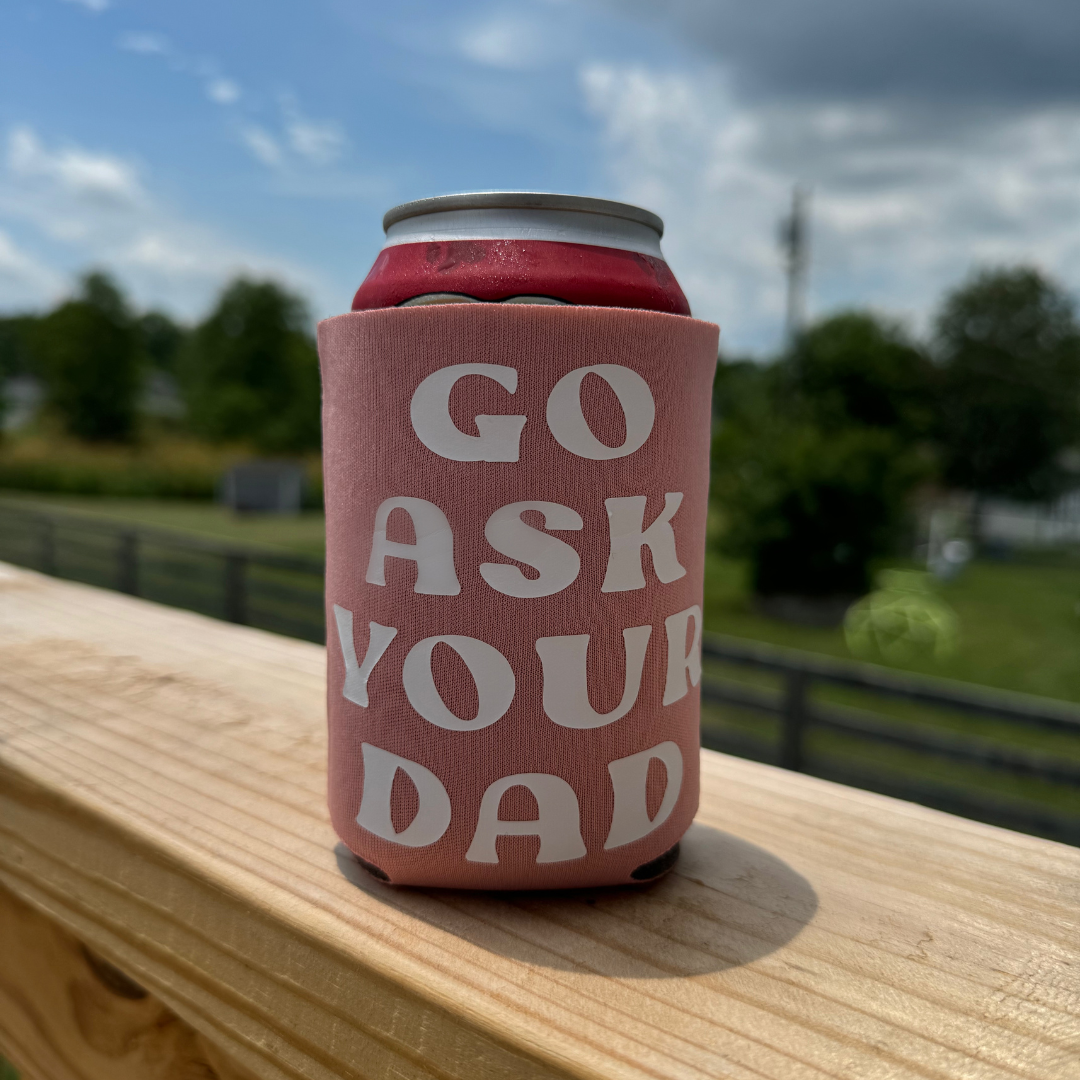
point(248, 373)
point(816, 454)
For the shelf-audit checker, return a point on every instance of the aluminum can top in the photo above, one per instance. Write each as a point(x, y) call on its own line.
point(525, 215)
point(521, 246)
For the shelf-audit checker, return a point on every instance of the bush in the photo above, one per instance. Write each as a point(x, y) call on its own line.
point(166, 468)
point(815, 454)
point(182, 470)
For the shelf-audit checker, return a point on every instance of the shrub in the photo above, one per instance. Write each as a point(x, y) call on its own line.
point(165, 468)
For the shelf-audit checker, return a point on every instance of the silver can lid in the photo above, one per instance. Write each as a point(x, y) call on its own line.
point(523, 200)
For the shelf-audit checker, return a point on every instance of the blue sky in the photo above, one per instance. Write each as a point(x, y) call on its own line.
point(179, 144)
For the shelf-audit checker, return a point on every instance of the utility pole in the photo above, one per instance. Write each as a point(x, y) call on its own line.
point(795, 244)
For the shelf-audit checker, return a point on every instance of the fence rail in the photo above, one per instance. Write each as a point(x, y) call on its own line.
point(986, 752)
point(271, 590)
point(1004, 758)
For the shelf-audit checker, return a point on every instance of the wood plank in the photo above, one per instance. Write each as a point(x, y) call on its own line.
point(67, 1014)
point(161, 799)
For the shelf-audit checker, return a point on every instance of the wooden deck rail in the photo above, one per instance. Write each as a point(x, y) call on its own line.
point(173, 904)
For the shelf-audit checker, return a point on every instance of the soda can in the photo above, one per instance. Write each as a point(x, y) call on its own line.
point(520, 247)
point(516, 421)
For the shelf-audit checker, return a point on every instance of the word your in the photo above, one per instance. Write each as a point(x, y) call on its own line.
point(563, 658)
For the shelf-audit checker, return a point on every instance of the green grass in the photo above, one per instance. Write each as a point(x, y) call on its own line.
point(303, 532)
point(1019, 628)
point(7, 1070)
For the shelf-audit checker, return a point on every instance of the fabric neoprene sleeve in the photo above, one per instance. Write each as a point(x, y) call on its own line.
point(516, 500)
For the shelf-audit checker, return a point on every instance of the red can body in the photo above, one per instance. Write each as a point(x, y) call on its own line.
point(519, 248)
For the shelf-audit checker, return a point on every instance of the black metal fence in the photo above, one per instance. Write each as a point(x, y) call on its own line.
point(1004, 758)
point(266, 589)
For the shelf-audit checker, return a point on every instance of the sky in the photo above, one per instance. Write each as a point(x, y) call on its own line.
point(178, 145)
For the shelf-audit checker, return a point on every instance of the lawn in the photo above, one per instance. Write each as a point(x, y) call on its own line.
point(301, 532)
point(1019, 627)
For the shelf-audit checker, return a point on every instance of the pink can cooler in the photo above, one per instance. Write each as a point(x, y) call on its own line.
point(516, 498)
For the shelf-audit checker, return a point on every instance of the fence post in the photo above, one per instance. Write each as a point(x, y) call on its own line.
point(793, 720)
point(127, 562)
point(47, 545)
point(236, 587)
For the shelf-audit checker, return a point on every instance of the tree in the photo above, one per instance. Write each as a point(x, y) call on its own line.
point(809, 508)
point(90, 358)
point(16, 356)
point(815, 454)
point(1008, 346)
point(855, 368)
point(162, 340)
point(16, 346)
point(250, 372)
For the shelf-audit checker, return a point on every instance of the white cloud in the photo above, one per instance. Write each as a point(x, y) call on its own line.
point(164, 257)
point(96, 6)
point(219, 89)
point(89, 176)
point(904, 203)
point(25, 280)
point(319, 142)
point(223, 91)
point(144, 43)
point(262, 145)
point(301, 141)
point(505, 41)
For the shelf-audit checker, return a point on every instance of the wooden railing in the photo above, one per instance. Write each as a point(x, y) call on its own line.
point(174, 904)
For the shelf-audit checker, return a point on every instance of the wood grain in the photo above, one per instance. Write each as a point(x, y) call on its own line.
point(67, 1014)
point(162, 800)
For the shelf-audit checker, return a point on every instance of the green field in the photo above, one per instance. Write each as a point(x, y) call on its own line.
point(1019, 626)
point(302, 532)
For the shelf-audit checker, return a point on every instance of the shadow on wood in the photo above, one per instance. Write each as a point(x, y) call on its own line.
point(727, 903)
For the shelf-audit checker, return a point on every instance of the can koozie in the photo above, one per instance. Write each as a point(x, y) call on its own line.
point(515, 502)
